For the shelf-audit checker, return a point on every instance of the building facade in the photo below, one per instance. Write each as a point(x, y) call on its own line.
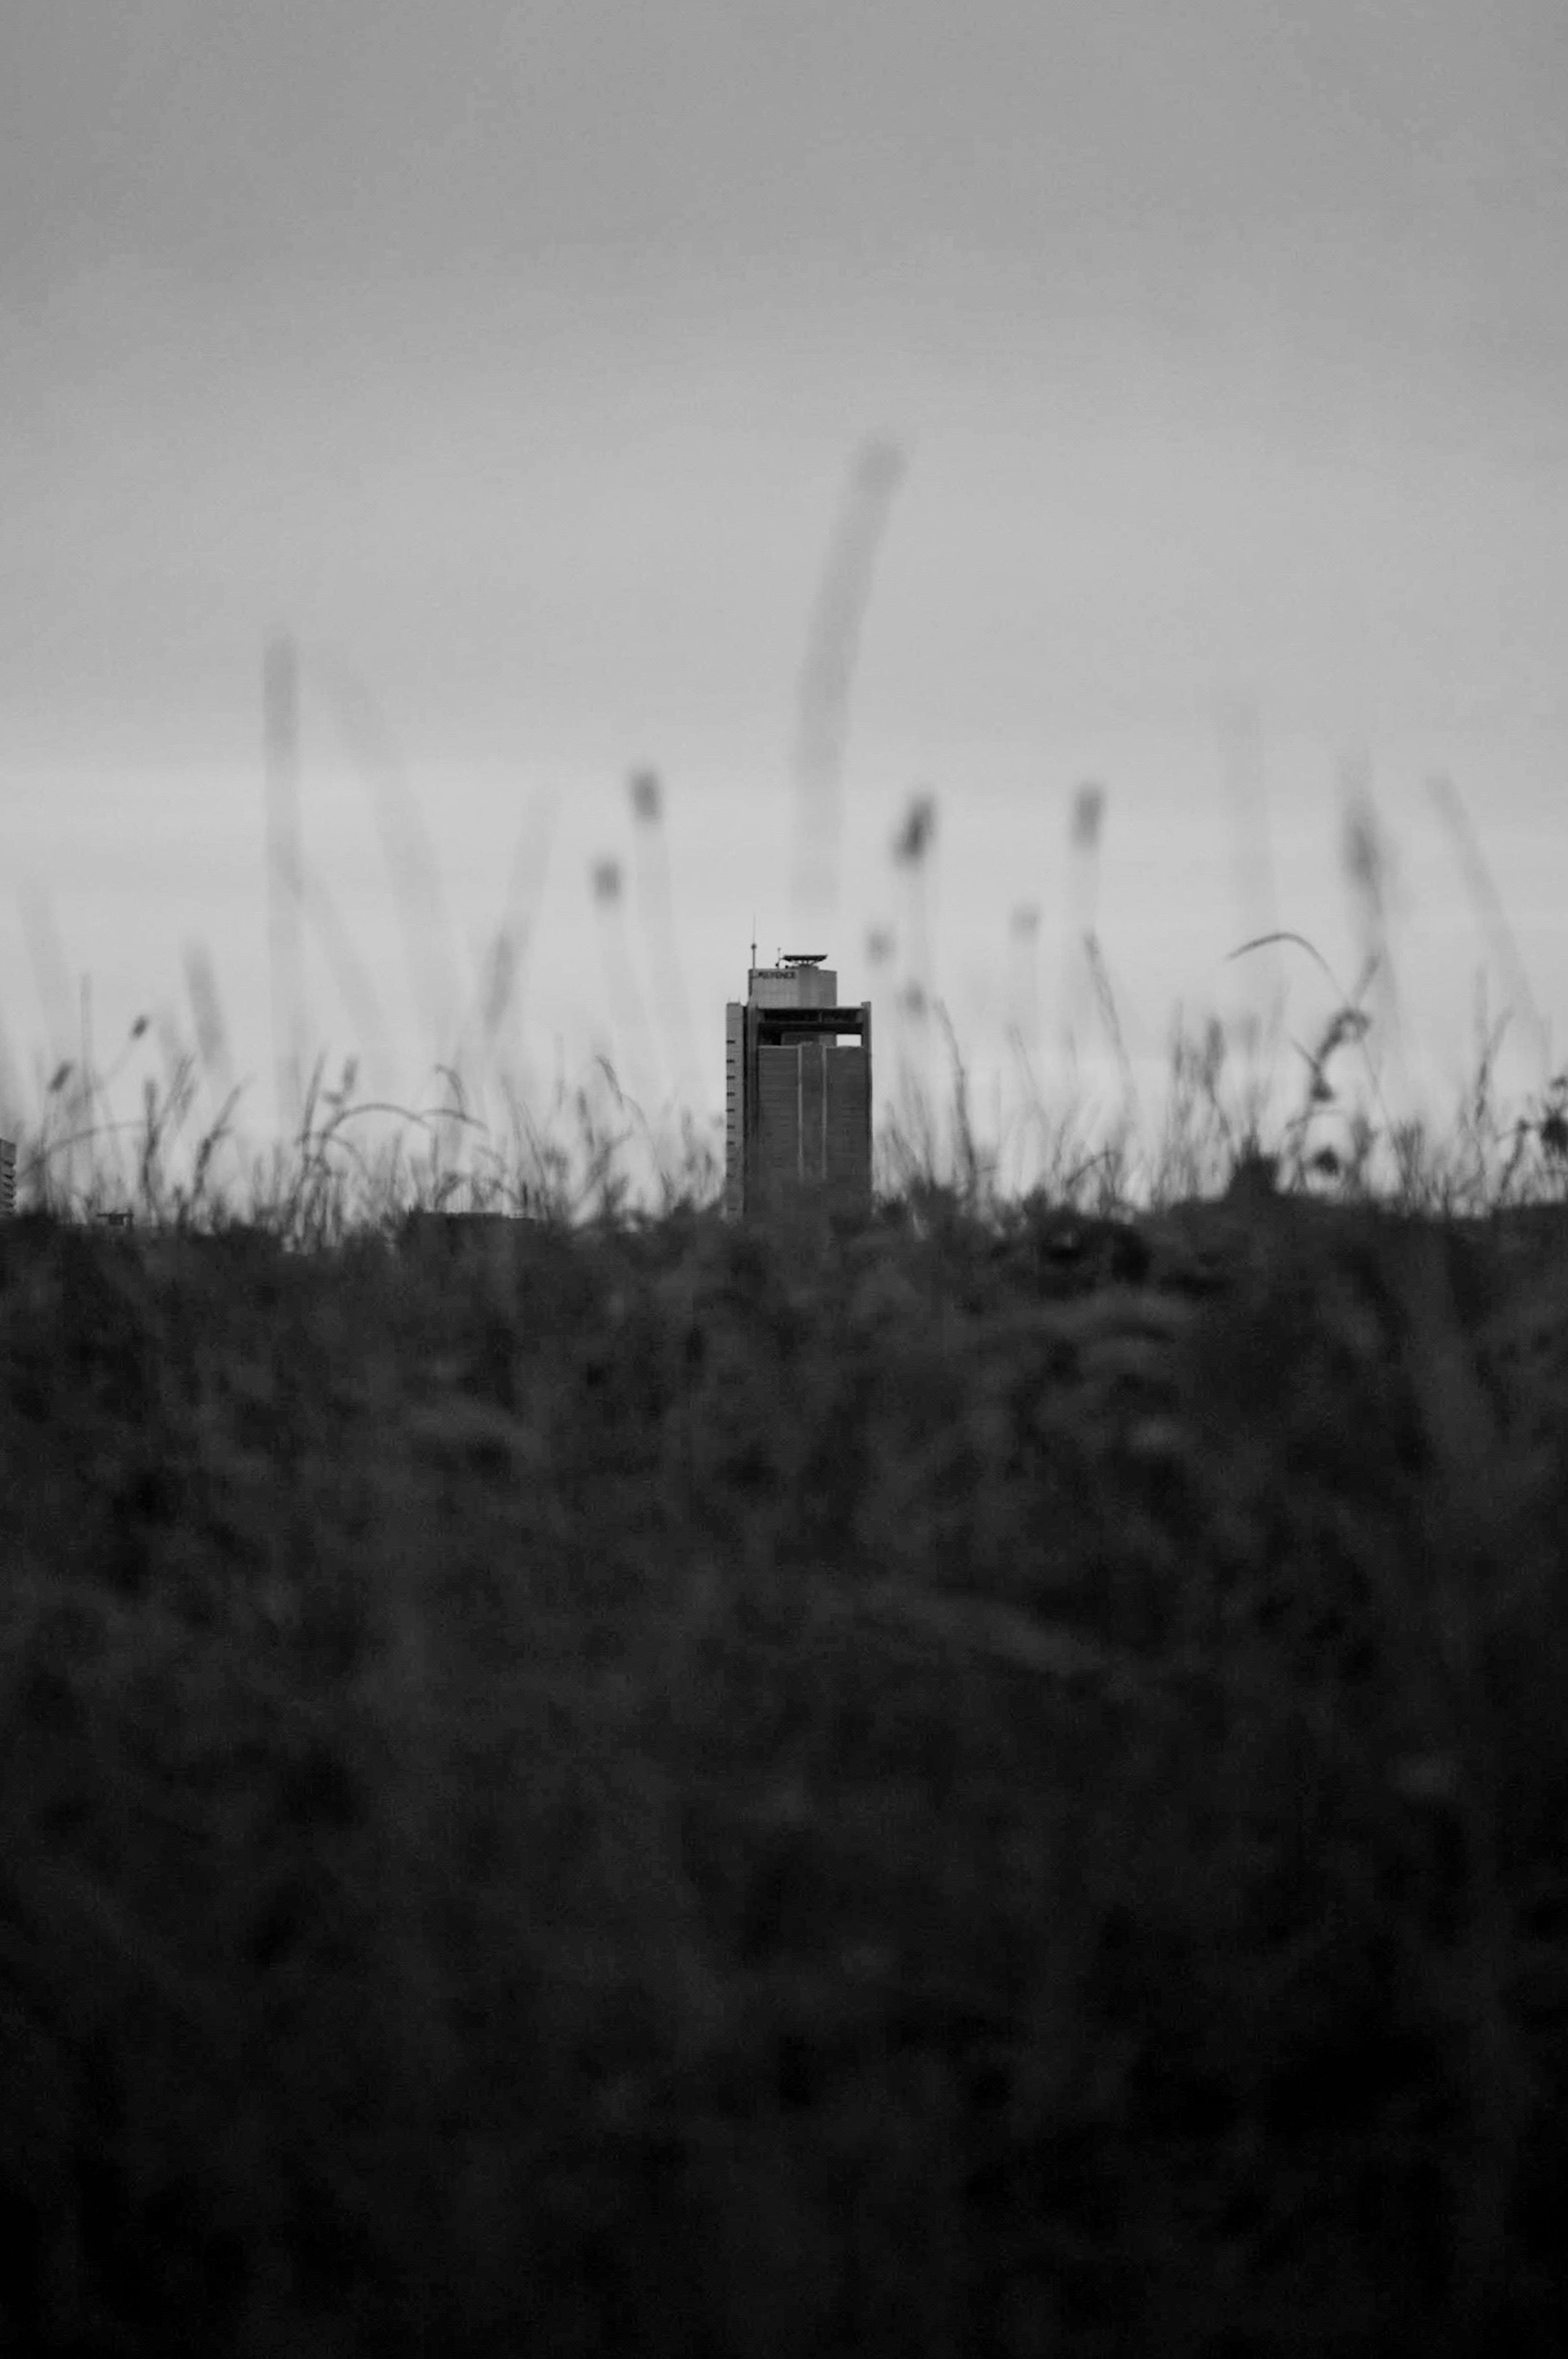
point(797, 1094)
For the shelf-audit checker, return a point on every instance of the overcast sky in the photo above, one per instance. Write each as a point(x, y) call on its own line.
point(516, 358)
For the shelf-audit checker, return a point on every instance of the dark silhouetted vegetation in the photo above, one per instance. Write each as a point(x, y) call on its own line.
point(609, 1782)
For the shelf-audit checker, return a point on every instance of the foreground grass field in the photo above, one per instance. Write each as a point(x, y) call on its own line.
point(994, 1785)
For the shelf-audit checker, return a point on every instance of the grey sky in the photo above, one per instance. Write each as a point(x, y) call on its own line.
point(249, 241)
point(520, 351)
point(521, 138)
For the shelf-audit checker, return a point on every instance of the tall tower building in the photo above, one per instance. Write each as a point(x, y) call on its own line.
point(797, 1092)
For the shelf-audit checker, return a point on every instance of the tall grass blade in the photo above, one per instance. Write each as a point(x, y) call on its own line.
point(280, 718)
point(827, 679)
point(407, 847)
point(1488, 905)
